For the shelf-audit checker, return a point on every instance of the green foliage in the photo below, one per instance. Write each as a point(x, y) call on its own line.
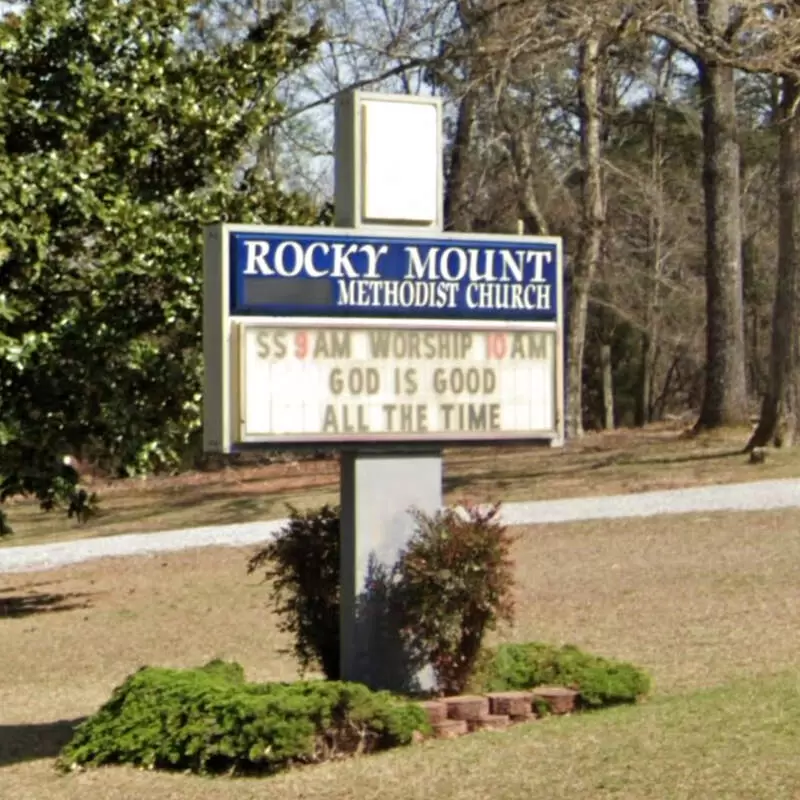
point(600, 681)
point(118, 141)
point(209, 720)
point(60, 487)
point(227, 670)
point(82, 505)
point(302, 562)
point(453, 583)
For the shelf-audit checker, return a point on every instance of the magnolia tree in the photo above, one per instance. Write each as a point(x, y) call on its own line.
point(118, 141)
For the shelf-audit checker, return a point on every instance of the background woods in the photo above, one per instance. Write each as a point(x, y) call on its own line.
point(659, 139)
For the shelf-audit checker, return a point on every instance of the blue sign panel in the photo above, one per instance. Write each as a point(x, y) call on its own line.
point(341, 273)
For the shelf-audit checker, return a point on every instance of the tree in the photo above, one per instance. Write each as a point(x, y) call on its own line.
point(654, 278)
point(725, 397)
point(779, 409)
point(588, 261)
point(118, 141)
point(706, 31)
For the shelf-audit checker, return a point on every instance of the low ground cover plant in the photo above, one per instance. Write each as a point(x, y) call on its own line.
point(210, 720)
point(601, 681)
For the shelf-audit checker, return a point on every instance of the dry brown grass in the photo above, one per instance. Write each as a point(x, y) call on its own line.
point(701, 600)
point(659, 457)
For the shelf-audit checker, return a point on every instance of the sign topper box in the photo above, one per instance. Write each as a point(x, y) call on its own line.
point(329, 336)
point(388, 166)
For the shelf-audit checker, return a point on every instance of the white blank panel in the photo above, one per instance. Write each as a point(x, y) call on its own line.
point(401, 162)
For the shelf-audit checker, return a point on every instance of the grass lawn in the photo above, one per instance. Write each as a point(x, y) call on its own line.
point(708, 603)
point(659, 457)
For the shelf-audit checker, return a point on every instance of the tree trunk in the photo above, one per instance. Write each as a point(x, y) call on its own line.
point(608, 387)
point(586, 264)
point(643, 402)
point(779, 406)
point(725, 394)
point(527, 201)
point(752, 317)
point(457, 216)
point(655, 236)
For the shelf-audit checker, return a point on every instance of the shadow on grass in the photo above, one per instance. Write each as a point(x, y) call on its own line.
point(115, 511)
point(717, 455)
point(227, 502)
point(198, 509)
point(15, 606)
point(28, 586)
point(20, 743)
point(453, 483)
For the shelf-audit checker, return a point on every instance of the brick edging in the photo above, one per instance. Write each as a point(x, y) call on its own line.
point(451, 717)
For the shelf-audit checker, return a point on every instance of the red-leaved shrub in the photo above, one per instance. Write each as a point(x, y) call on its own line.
point(453, 582)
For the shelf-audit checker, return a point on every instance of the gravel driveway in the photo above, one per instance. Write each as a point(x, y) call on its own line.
point(756, 496)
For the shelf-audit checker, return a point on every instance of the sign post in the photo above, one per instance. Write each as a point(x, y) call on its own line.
point(383, 337)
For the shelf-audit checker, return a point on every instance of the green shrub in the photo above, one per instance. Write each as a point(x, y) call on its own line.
point(209, 720)
point(453, 582)
point(600, 681)
point(302, 561)
point(228, 670)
